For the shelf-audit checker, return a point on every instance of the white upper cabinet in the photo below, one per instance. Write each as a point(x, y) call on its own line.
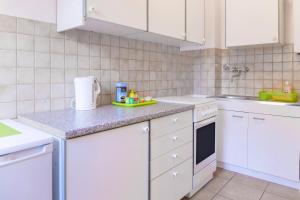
point(167, 18)
point(116, 17)
point(252, 22)
point(131, 13)
point(173, 22)
point(195, 21)
point(297, 25)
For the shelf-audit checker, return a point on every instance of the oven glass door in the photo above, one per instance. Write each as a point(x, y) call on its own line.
point(204, 141)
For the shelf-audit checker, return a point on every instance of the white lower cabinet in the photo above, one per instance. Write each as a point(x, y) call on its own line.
point(171, 157)
point(261, 143)
point(110, 165)
point(174, 184)
point(274, 145)
point(232, 137)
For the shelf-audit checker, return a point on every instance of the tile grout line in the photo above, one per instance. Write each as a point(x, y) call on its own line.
point(218, 193)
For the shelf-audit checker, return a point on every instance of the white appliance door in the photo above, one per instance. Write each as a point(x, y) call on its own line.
point(204, 144)
point(27, 174)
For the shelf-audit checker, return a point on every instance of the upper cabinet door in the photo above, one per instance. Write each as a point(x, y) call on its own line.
point(251, 22)
point(195, 21)
point(297, 25)
point(131, 13)
point(167, 17)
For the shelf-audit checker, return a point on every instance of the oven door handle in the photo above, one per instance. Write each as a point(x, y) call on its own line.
point(205, 122)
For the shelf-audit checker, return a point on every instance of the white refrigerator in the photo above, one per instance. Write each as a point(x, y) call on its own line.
point(25, 164)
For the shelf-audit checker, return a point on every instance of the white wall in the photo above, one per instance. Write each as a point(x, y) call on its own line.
point(41, 10)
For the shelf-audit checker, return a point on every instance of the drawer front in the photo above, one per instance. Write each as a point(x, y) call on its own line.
point(171, 159)
point(174, 184)
point(169, 142)
point(163, 126)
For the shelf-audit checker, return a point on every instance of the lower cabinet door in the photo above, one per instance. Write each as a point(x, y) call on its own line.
point(274, 145)
point(110, 165)
point(232, 138)
point(174, 184)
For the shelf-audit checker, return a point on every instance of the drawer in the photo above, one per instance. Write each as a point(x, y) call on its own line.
point(169, 142)
point(174, 184)
point(171, 159)
point(168, 124)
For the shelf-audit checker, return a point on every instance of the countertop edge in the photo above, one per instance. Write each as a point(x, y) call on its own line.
point(80, 132)
point(118, 124)
point(42, 127)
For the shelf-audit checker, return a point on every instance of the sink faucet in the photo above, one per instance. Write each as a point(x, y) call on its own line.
point(235, 69)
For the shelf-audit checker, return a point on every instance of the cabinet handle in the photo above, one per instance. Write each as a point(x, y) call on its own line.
point(238, 116)
point(259, 119)
point(174, 156)
point(146, 129)
point(175, 174)
point(175, 120)
point(92, 9)
point(175, 138)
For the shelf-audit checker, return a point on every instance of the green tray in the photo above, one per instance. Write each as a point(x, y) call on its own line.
point(278, 96)
point(7, 131)
point(146, 103)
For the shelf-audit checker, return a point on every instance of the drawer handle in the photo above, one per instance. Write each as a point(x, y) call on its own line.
point(92, 9)
point(175, 138)
point(175, 174)
point(174, 156)
point(146, 129)
point(259, 119)
point(238, 116)
point(175, 120)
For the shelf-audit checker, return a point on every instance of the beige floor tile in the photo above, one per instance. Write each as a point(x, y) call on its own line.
point(223, 173)
point(250, 181)
point(215, 185)
point(283, 191)
point(269, 196)
point(203, 195)
point(220, 198)
point(236, 191)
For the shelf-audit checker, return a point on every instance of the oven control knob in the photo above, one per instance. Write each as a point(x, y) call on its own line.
point(175, 138)
point(174, 156)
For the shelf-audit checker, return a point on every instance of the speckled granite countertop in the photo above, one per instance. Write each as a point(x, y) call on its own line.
point(70, 124)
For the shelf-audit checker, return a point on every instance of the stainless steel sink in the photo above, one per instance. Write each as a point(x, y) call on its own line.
point(254, 99)
point(236, 97)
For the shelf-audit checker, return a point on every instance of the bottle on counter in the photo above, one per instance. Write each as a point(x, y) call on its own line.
point(287, 88)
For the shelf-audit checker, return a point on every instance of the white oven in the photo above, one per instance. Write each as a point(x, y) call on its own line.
point(204, 143)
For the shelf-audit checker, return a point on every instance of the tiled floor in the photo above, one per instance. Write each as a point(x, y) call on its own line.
point(232, 186)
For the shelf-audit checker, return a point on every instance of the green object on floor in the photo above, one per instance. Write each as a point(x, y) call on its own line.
point(6, 131)
point(135, 105)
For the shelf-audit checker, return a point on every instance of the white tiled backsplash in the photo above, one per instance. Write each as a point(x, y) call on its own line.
point(270, 67)
point(38, 65)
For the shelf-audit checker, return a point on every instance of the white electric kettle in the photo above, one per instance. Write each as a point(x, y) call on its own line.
point(87, 90)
